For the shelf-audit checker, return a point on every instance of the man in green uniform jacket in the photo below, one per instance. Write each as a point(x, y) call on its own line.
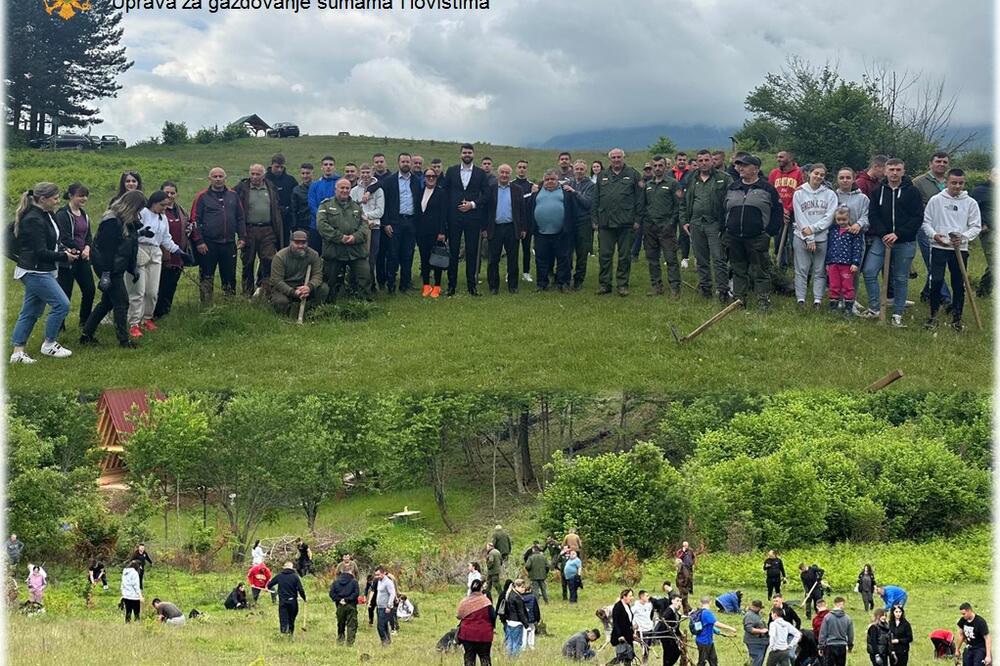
point(537, 567)
point(502, 542)
point(344, 231)
point(616, 213)
point(288, 276)
point(703, 215)
point(494, 563)
point(663, 196)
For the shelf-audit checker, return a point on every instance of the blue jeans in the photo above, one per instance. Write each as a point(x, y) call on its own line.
point(925, 252)
point(902, 259)
point(383, 625)
point(513, 639)
point(757, 653)
point(40, 289)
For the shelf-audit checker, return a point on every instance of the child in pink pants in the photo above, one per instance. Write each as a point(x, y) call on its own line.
point(843, 260)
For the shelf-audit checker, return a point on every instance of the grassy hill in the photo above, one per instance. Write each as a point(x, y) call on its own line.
point(508, 342)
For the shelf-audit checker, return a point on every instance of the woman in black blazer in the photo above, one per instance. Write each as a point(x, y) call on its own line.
point(432, 228)
point(114, 254)
point(37, 248)
point(74, 233)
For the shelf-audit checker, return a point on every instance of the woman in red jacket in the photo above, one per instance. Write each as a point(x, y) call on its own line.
point(185, 235)
point(476, 617)
point(258, 577)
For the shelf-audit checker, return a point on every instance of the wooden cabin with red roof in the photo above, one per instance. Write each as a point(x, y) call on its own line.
point(115, 422)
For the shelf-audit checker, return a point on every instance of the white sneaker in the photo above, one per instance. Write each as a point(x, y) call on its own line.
point(897, 321)
point(858, 310)
point(527, 277)
point(21, 357)
point(909, 304)
point(55, 350)
point(870, 314)
point(684, 263)
point(257, 293)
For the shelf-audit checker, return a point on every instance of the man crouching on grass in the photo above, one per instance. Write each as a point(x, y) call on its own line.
point(288, 276)
point(168, 613)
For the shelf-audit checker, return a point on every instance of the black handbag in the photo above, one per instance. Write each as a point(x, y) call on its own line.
point(440, 255)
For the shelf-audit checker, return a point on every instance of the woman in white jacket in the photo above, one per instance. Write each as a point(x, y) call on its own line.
point(154, 234)
point(813, 205)
point(131, 592)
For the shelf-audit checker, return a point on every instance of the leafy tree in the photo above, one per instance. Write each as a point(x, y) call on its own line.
point(759, 134)
point(233, 131)
point(633, 499)
point(64, 420)
point(41, 498)
point(664, 146)
point(250, 466)
point(174, 134)
point(170, 444)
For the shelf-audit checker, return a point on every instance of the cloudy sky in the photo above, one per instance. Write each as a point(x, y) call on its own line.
point(525, 69)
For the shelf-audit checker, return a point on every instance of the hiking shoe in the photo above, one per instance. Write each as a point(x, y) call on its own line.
point(149, 325)
point(858, 310)
point(604, 291)
point(706, 294)
point(435, 292)
point(871, 314)
point(135, 331)
point(55, 350)
point(931, 324)
point(527, 276)
point(128, 344)
point(426, 291)
point(21, 357)
point(897, 321)
point(958, 325)
point(623, 291)
point(684, 263)
point(675, 294)
point(655, 291)
point(88, 340)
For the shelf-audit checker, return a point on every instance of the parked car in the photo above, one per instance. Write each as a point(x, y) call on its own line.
point(112, 141)
point(66, 141)
point(280, 130)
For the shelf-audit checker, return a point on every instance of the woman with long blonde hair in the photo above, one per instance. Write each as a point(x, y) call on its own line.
point(37, 248)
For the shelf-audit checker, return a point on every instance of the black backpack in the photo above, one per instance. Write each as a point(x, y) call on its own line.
point(694, 622)
point(11, 246)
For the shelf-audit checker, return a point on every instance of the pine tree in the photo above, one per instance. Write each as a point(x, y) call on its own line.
point(56, 67)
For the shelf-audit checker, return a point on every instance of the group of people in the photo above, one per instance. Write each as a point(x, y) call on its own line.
point(306, 241)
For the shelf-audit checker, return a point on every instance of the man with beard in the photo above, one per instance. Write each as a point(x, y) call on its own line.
point(264, 228)
point(615, 213)
point(785, 178)
point(284, 184)
point(565, 162)
point(399, 224)
point(663, 197)
point(467, 191)
point(319, 191)
point(704, 211)
point(288, 276)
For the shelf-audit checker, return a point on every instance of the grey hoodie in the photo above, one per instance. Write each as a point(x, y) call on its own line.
point(837, 629)
point(857, 202)
point(813, 209)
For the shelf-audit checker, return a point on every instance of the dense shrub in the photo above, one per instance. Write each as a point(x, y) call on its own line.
point(635, 500)
point(206, 135)
point(819, 466)
point(233, 131)
point(174, 134)
point(975, 160)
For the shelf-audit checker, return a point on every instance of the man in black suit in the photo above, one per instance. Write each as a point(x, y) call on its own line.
point(467, 196)
point(402, 192)
point(504, 228)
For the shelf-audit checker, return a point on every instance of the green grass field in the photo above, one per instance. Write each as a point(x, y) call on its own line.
point(575, 341)
point(69, 632)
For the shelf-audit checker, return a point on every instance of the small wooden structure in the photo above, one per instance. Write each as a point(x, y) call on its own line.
point(114, 424)
point(405, 516)
point(254, 122)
